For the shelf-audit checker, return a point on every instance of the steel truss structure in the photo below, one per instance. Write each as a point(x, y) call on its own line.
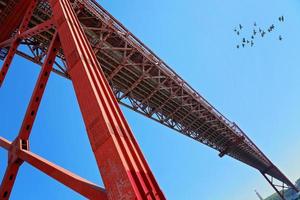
point(107, 65)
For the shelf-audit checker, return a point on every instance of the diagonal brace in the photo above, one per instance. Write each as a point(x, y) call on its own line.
point(76, 183)
point(16, 41)
point(21, 140)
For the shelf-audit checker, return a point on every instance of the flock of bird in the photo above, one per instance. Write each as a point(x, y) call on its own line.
point(257, 32)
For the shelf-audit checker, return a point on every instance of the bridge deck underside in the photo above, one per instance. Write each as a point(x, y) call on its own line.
point(144, 83)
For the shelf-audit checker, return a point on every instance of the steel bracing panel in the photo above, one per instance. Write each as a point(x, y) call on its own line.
point(139, 79)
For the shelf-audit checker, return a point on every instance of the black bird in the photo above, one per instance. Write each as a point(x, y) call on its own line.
point(235, 30)
point(263, 34)
point(237, 46)
point(238, 33)
point(254, 23)
point(252, 37)
point(247, 41)
point(280, 37)
point(269, 30)
point(243, 45)
point(240, 26)
point(252, 43)
point(244, 40)
point(272, 27)
point(281, 19)
point(260, 30)
point(254, 32)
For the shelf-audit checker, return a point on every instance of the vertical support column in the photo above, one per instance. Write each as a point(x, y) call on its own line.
point(264, 172)
point(21, 141)
point(125, 172)
point(16, 41)
point(273, 186)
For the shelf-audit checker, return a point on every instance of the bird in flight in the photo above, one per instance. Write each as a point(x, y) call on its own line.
point(281, 19)
point(272, 27)
point(256, 30)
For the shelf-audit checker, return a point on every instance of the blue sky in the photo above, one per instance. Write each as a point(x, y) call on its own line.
point(257, 87)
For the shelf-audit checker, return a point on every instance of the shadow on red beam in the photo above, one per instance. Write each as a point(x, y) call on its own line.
point(78, 184)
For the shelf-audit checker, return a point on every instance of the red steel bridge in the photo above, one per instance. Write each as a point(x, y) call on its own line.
point(79, 40)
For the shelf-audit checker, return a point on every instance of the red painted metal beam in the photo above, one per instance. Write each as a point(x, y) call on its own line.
point(16, 41)
point(125, 172)
point(37, 29)
point(29, 33)
point(12, 21)
point(21, 140)
point(18, 150)
point(8, 60)
point(9, 180)
point(39, 89)
point(76, 183)
point(6, 43)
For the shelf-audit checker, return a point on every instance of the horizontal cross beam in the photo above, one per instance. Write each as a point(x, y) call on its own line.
point(69, 179)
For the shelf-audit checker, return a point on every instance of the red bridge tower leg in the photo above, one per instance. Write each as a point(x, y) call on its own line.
point(125, 172)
